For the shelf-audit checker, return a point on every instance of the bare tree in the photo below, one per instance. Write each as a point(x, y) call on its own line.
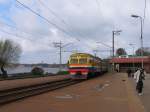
point(9, 53)
point(121, 51)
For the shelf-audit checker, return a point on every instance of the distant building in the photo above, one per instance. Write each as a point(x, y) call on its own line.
point(123, 63)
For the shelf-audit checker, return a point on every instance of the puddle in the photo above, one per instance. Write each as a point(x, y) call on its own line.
point(108, 81)
point(123, 80)
point(106, 85)
point(64, 97)
point(100, 87)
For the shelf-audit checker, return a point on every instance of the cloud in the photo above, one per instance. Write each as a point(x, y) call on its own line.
point(3, 1)
point(83, 22)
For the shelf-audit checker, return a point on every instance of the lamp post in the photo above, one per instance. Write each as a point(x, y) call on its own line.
point(141, 37)
point(132, 45)
point(116, 32)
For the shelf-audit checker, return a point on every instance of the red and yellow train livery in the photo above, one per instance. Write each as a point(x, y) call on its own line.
point(83, 65)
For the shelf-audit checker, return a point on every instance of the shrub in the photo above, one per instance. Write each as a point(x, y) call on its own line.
point(37, 71)
point(63, 72)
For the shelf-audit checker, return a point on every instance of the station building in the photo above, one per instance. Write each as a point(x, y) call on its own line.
point(123, 63)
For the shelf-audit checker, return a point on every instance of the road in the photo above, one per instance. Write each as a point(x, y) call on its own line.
point(107, 93)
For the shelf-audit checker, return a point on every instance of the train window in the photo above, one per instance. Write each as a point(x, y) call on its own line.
point(90, 61)
point(83, 61)
point(74, 61)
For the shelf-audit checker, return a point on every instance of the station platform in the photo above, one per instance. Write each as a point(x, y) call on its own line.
point(10, 84)
point(146, 92)
point(111, 92)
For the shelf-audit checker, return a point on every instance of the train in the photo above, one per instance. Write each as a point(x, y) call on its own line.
point(84, 66)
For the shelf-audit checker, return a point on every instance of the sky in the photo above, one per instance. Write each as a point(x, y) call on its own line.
point(78, 24)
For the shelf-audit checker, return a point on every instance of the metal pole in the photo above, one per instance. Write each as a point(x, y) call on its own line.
point(113, 49)
point(133, 61)
point(95, 54)
point(110, 52)
point(132, 45)
point(60, 56)
point(142, 64)
point(60, 46)
point(141, 38)
point(113, 66)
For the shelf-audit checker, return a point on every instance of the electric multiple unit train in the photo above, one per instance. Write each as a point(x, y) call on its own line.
point(83, 65)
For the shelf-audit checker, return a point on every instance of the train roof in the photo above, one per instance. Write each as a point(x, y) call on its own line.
point(84, 54)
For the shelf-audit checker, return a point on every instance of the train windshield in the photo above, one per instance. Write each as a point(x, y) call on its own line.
point(74, 61)
point(83, 61)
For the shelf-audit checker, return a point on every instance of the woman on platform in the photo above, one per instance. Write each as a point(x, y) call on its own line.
point(139, 76)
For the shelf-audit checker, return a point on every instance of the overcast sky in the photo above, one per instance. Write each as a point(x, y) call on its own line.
point(80, 22)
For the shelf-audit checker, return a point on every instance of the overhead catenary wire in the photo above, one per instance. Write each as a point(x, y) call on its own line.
point(69, 27)
point(16, 28)
point(62, 20)
point(15, 35)
point(58, 44)
point(100, 14)
point(44, 18)
point(21, 37)
point(53, 13)
point(18, 36)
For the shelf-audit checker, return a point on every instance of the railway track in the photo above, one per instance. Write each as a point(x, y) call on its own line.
point(11, 95)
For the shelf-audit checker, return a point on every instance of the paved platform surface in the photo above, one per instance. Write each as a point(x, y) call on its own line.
point(145, 98)
point(108, 93)
point(9, 84)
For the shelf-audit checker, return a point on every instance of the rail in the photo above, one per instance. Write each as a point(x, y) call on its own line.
point(14, 94)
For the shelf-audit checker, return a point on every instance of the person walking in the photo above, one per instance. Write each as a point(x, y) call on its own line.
point(129, 72)
point(140, 76)
point(136, 74)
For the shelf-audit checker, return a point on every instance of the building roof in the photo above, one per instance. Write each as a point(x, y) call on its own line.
point(146, 59)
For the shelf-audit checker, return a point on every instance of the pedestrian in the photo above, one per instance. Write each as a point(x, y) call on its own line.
point(129, 72)
point(139, 80)
point(136, 73)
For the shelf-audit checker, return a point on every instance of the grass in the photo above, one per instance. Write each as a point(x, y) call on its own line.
point(62, 73)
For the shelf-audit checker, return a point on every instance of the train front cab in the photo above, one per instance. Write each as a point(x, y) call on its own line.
point(81, 73)
point(81, 67)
